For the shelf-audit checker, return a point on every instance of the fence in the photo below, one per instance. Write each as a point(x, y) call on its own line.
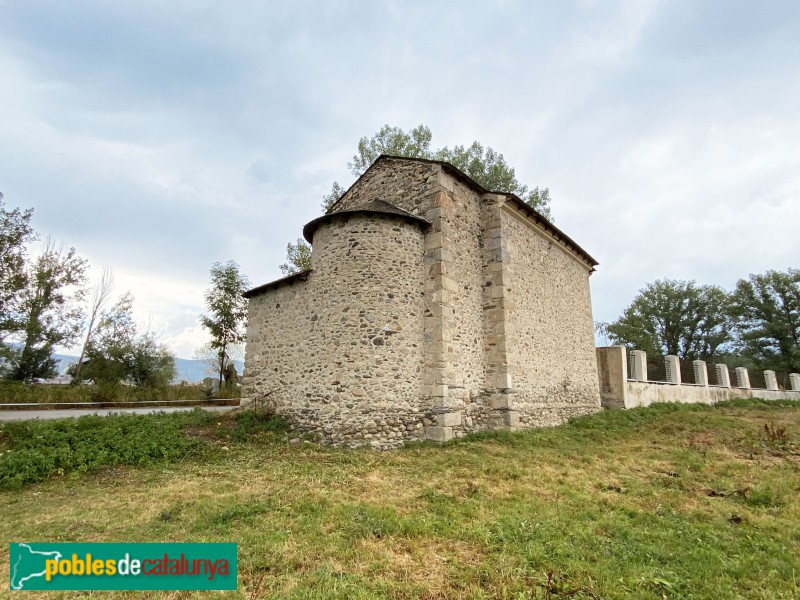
point(630, 378)
point(670, 369)
point(687, 370)
point(630, 360)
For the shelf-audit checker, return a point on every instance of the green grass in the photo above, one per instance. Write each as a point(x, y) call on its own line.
point(32, 451)
point(670, 501)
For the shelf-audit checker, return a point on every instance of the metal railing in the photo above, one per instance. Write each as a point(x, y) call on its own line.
point(713, 378)
point(784, 382)
point(732, 376)
point(656, 369)
point(687, 371)
point(757, 380)
point(629, 362)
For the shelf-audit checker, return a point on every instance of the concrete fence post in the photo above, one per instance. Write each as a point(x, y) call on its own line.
point(742, 378)
point(700, 372)
point(638, 365)
point(723, 377)
point(673, 369)
point(794, 381)
point(612, 371)
point(771, 380)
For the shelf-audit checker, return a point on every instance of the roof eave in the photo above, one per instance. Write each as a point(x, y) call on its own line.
point(257, 291)
point(312, 226)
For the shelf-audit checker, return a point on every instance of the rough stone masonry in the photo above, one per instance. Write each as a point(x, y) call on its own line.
point(433, 308)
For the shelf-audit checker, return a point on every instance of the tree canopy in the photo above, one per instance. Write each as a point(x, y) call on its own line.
point(116, 352)
point(50, 313)
point(757, 325)
point(483, 164)
point(676, 317)
point(298, 258)
point(767, 312)
point(42, 308)
point(15, 233)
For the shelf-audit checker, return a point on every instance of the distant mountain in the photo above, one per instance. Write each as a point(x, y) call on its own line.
point(64, 361)
point(194, 371)
point(191, 371)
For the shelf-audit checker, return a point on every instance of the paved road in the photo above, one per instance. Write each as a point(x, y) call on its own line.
point(65, 413)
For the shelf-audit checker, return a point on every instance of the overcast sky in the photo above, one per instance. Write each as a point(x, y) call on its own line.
point(159, 137)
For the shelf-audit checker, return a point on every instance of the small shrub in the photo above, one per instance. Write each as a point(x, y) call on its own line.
point(253, 422)
point(776, 438)
point(763, 498)
point(771, 439)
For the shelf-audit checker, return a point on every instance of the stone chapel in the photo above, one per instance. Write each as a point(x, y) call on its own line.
point(433, 308)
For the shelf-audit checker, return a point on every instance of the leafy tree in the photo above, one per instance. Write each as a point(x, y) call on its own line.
point(394, 141)
point(486, 166)
point(109, 347)
point(227, 310)
point(490, 169)
point(117, 353)
point(15, 233)
point(152, 364)
point(676, 317)
point(328, 200)
point(767, 312)
point(298, 258)
point(50, 311)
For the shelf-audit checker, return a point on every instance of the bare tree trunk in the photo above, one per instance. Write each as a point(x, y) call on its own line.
point(221, 365)
point(100, 295)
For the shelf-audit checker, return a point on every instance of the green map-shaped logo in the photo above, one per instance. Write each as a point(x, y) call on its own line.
point(27, 564)
point(122, 566)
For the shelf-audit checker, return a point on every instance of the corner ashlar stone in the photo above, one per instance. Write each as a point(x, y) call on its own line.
point(501, 401)
point(505, 418)
point(511, 419)
point(449, 419)
point(439, 434)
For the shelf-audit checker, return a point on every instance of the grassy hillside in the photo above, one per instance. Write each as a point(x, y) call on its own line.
point(663, 502)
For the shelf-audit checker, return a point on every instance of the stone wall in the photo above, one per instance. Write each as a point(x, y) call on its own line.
point(480, 321)
point(409, 185)
point(341, 353)
point(553, 359)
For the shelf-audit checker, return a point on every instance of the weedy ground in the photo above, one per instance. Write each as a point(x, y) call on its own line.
point(665, 502)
